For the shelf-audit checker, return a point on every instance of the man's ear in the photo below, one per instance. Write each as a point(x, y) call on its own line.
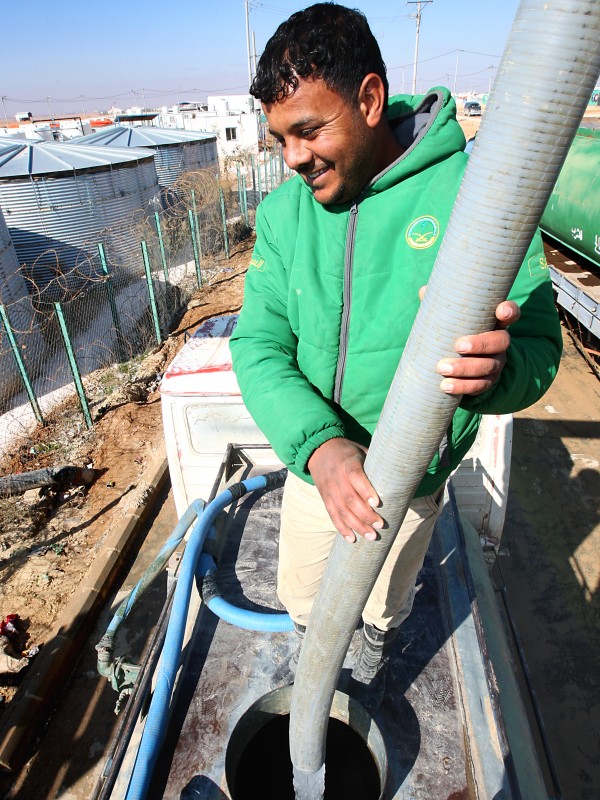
point(371, 98)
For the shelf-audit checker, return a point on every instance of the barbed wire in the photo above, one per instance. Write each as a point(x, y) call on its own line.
point(103, 289)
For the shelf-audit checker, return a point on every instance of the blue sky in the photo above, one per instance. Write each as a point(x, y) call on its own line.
point(85, 56)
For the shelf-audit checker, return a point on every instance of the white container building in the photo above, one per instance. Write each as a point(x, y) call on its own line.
point(231, 118)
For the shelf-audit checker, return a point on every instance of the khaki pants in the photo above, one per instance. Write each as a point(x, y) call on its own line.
point(307, 535)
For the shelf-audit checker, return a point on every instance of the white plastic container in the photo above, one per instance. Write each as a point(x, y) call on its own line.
point(203, 411)
point(481, 480)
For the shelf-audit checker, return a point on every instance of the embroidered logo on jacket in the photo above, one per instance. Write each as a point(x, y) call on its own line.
point(537, 264)
point(422, 232)
point(258, 263)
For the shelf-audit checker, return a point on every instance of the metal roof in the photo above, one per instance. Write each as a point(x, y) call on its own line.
point(143, 136)
point(22, 159)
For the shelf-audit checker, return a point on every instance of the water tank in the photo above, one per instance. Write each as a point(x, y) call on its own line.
point(59, 200)
point(175, 151)
point(22, 318)
point(573, 210)
point(202, 411)
point(220, 105)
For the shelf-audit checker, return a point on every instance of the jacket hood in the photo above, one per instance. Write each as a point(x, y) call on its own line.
point(428, 121)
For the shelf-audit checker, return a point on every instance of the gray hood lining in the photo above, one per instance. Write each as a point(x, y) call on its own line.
point(410, 128)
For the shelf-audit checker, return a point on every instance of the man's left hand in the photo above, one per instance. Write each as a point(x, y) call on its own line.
point(483, 356)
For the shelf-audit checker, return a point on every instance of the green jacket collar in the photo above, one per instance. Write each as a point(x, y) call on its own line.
point(426, 127)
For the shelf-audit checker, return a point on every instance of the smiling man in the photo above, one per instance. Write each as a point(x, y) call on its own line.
point(336, 146)
point(342, 251)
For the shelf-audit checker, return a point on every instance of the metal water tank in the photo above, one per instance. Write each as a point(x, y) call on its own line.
point(573, 211)
point(21, 317)
point(60, 200)
point(175, 151)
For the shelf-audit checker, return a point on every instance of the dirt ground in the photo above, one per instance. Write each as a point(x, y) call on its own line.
point(48, 541)
point(470, 125)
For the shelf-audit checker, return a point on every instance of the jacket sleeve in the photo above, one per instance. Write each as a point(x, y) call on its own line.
point(534, 353)
point(289, 410)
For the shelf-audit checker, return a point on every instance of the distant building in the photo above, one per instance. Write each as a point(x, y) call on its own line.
point(49, 130)
point(15, 133)
point(231, 117)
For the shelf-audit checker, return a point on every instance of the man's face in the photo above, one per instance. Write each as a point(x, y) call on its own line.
point(325, 139)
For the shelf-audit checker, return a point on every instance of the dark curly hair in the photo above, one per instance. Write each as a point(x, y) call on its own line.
point(325, 41)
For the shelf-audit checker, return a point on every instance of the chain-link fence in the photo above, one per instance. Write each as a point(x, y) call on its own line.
point(126, 289)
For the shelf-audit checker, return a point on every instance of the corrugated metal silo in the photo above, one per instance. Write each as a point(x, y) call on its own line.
point(175, 151)
point(60, 200)
point(12, 285)
point(19, 311)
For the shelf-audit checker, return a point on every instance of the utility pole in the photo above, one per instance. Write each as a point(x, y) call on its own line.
point(254, 50)
point(248, 43)
point(49, 109)
point(418, 4)
point(456, 71)
point(4, 107)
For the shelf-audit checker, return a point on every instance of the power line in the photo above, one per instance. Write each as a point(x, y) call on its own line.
point(424, 60)
point(4, 107)
point(473, 53)
point(249, 53)
point(80, 97)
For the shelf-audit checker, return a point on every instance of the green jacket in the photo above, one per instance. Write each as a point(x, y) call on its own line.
point(332, 292)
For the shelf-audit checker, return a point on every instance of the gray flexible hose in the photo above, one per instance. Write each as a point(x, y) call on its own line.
point(546, 77)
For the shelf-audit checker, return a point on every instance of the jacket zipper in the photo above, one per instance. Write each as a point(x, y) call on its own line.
point(346, 302)
point(349, 255)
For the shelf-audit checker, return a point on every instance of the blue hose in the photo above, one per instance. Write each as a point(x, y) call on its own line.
point(241, 617)
point(165, 553)
point(106, 665)
point(158, 713)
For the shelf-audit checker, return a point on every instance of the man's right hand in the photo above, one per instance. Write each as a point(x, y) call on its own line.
point(337, 470)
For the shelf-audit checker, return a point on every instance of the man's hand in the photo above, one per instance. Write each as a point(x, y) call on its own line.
point(483, 356)
point(337, 470)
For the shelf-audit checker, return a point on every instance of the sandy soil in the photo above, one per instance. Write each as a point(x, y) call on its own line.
point(469, 125)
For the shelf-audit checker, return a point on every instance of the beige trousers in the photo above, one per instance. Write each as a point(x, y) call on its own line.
point(307, 535)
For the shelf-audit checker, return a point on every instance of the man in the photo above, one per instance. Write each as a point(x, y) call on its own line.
point(341, 253)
